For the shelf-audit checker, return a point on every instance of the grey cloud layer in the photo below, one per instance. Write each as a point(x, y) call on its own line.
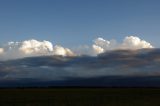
point(142, 62)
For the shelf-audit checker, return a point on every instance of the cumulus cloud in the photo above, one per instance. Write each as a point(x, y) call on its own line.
point(59, 50)
point(98, 49)
point(101, 45)
point(130, 42)
point(36, 47)
point(27, 48)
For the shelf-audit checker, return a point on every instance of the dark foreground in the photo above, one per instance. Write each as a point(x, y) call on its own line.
point(80, 97)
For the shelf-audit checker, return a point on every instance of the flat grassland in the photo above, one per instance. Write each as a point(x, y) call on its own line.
point(80, 97)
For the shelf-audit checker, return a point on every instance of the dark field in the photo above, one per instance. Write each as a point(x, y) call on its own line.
point(80, 97)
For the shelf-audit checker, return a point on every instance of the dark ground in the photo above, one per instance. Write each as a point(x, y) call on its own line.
point(80, 97)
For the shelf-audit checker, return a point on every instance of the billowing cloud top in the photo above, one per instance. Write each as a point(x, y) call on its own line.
point(32, 47)
point(58, 50)
point(130, 42)
point(36, 47)
point(13, 50)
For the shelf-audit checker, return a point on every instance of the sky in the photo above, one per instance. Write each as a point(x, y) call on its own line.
point(50, 40)
point(71, 23)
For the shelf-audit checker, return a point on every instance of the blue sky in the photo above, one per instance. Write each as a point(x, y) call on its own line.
point(78, 22)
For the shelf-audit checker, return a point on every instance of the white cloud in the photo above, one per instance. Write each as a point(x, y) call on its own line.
point(36, 47)
point(98, 49)
point(130, 42)
point(59, 50)
point(101, 45)
point(133, 42)
point(32, 47)
point(1, 50)
point(27, 48)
